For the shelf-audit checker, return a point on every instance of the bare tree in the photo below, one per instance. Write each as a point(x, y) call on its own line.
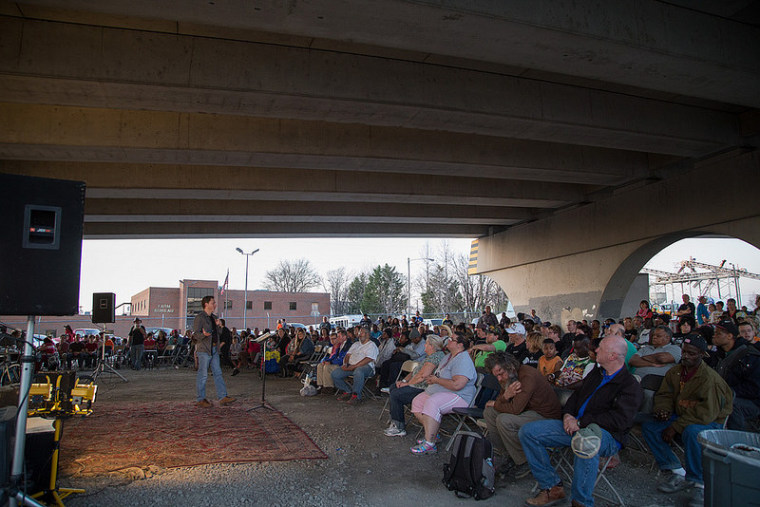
point(336, 283)
point(477, 291)
point(296, 276)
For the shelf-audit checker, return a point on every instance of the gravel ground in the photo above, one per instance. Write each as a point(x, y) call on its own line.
point(364, 467)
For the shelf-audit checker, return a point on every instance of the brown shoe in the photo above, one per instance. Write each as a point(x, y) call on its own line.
point(547, 497)
point(227, 400)
point(204, 404)
point(345, 396)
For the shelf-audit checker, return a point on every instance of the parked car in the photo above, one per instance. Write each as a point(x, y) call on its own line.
point(155, 330)
point(86, 331)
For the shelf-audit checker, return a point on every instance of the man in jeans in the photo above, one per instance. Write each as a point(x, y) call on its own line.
point(206, 337)
point(359, 363)
point(608, 397)
point(692, 398)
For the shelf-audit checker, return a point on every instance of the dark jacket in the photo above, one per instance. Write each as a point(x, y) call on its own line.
point(612, 407)
point(740, 369)
point(204, 322)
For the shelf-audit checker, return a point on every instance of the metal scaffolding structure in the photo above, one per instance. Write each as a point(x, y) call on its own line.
point(704, 277)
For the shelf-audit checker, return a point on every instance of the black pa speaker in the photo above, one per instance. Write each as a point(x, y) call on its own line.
point(103, 309)
point(40, 245)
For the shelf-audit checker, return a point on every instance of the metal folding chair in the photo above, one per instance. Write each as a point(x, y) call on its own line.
point(488, 390)
point(408, 367)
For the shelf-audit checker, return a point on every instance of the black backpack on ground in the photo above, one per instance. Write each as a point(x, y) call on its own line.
point(470, 472)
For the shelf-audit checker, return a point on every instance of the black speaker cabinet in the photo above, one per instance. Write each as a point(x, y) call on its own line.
point(103, 309)
point(40, 245)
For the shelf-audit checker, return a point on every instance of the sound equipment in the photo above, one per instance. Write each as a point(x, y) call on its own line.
point(103, 308)
point(41, 238)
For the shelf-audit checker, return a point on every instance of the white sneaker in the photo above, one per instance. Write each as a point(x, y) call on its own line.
point(394, 431)
point(385, 390)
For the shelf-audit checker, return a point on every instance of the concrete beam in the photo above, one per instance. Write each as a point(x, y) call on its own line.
point(40, 132)
point(128, 69)
point(156, 181)
point(648, 44)
point(182, 230)
point(185, 210)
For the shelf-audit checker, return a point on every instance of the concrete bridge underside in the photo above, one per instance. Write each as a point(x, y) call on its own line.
point(496, 120)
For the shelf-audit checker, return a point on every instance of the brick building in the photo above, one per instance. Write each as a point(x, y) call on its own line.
point(175, 308)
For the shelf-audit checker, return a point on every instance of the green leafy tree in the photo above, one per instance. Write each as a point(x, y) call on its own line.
point(355, 294)
point(384, 292)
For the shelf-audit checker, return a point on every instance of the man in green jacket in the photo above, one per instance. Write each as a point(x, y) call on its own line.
point(692, 398)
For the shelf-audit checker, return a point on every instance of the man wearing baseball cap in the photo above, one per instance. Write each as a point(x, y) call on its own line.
point(692, 398)
point(136, 343)
point(738, 362)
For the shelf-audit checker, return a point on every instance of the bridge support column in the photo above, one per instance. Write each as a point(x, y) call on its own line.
point(581, 263)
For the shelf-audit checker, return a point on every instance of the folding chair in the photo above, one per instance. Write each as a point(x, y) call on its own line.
point(308, 366)
point(167, 357)
point(408, 367)
point(478, 385)
point(564, 465)
point(488, 390)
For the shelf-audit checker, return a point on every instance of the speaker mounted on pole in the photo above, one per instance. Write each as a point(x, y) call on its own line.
point(41, 238)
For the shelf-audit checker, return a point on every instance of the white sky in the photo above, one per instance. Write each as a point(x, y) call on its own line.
point(129, 266)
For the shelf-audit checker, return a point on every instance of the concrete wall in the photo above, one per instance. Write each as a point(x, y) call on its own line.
point(581, 263)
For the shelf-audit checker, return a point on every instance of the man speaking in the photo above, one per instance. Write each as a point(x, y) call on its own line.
point(206, 338)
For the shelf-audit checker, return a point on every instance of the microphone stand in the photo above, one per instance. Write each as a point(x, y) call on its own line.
point(263, 405)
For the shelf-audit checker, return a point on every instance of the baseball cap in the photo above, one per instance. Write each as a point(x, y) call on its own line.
point(728, 326)
point(696, 340)
point(516, 328)
point(587, 441)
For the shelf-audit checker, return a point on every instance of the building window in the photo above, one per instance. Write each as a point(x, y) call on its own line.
point(249, 305)
point(193, 303)
point(315, 308)
point(227, 305)
point(293, 305)
point(267, 305)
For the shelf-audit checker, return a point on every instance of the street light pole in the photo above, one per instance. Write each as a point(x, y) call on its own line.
point(409, 282)
point(245, 296)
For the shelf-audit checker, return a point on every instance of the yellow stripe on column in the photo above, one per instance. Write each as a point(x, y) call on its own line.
point(472, 267)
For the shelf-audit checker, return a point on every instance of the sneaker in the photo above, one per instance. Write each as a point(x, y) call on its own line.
point(354, 400)
point(424, 448)
point(204, 404)
point(227, 400)
point(395, 431)
point(437, 439)
point(345, 396)
point(675, 483)
point(697, 498)
point(547, 497)
point(385, 390)
point(235, 372)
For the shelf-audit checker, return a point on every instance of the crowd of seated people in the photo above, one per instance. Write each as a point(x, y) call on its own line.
point(589, 382)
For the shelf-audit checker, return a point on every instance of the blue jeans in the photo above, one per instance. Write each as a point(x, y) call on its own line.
point(536, 436)
point(200, 381)
point(743, 409)
point(136, 354)
point(360, 375)
point(401, 396)
point(664, 455)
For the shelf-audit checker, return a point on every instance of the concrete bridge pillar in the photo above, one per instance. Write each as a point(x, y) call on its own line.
point(581, 263)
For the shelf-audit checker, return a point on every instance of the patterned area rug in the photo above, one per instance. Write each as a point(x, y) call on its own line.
point(171, 434)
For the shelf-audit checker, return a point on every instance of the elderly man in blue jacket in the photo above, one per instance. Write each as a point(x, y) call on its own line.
point(605, 403)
